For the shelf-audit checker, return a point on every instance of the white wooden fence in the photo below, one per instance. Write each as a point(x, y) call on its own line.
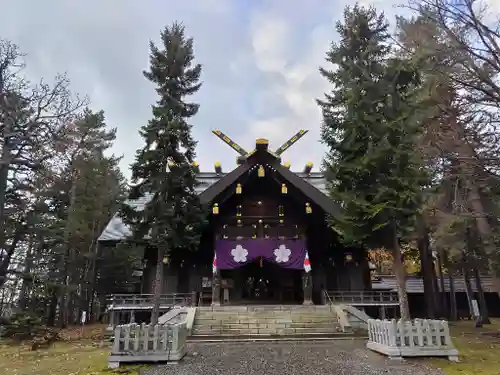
point(146, 343)
point(417, 338)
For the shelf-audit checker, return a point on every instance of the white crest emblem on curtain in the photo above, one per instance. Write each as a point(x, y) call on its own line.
point(282, 254)
point(239, 254)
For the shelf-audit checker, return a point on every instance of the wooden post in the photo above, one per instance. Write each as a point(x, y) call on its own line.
point(382, 313)
point(307, 287)
point(132, 316)
point(216, 289)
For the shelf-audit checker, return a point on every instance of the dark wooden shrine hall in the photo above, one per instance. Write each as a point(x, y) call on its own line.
point(262, 200)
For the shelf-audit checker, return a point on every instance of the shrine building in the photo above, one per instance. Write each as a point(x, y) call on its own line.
point(267, 240)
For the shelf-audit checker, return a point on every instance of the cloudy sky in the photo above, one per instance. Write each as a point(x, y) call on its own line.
point(260, 64)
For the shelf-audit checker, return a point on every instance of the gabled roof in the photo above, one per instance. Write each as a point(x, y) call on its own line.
point(315, 195)
point(116, 230)
point(211, 185)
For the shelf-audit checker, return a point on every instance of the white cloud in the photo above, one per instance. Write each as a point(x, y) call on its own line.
point(260, 64)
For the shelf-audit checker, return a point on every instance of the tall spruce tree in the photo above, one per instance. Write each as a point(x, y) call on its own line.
point(370, 129)
point(163, 169)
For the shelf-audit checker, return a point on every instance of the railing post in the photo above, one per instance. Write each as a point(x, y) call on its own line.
point(117, 339)
point(175, 337)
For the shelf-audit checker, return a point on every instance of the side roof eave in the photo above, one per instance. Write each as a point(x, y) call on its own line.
point(310, 191)
point(220, 186)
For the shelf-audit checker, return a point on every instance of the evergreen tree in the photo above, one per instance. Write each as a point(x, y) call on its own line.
point(163, 168)
point(370, 129)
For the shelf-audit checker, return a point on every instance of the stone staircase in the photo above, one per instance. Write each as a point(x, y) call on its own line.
point(265, 322)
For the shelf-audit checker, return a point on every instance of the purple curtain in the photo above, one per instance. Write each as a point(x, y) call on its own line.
point(237, 253)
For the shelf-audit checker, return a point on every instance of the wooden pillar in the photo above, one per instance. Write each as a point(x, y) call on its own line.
point(216, 289)
point(382, 313)
point(132, 316)
point(307, 287)
point(194, 301)
point(112, 318)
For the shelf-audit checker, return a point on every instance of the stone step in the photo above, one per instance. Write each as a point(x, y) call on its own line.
point(207, 315)
point(231, 312)
point(263, 316)
point(267, 321)
point(266, 331)
point(293, 308)
point(268, 325)
point(263, 321)
point(271, 338)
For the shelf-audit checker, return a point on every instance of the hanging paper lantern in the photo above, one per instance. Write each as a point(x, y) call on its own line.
point(215, 209)
point(284, 189)
point(238, 189)
point(308, 208)
point(261, 172)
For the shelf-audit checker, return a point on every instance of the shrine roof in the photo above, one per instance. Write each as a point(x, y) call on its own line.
point(116, 230)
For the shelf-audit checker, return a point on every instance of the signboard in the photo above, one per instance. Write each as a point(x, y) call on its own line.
point(84, 317)
point(475, 309)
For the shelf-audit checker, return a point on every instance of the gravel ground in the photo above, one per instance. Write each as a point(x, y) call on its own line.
point(338, 357)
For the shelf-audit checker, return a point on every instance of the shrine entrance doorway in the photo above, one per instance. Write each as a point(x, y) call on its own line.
point(263, 282)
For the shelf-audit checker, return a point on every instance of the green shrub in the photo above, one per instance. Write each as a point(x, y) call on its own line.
point(21, 326)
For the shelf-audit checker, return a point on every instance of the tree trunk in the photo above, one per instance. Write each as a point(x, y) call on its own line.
point(51, 314)
point(452, 300)
point(5, 161)
point(158, 285)
point(442, 293)
point(400, 272)
point(65, 295)
point(468, 287)
point(483, 308)
point(482, 225)
point(5, 263)
point(427, 267)
point(27, 277)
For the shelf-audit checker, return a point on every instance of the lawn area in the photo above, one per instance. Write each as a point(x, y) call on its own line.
point(479, 350)
point(76, 355)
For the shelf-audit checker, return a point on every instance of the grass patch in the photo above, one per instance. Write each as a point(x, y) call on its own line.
point(78, 354)
point(479, 350)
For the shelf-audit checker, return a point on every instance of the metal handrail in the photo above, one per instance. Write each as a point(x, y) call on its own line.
point(147, 299)
point(367, 296)
point(327, 296)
